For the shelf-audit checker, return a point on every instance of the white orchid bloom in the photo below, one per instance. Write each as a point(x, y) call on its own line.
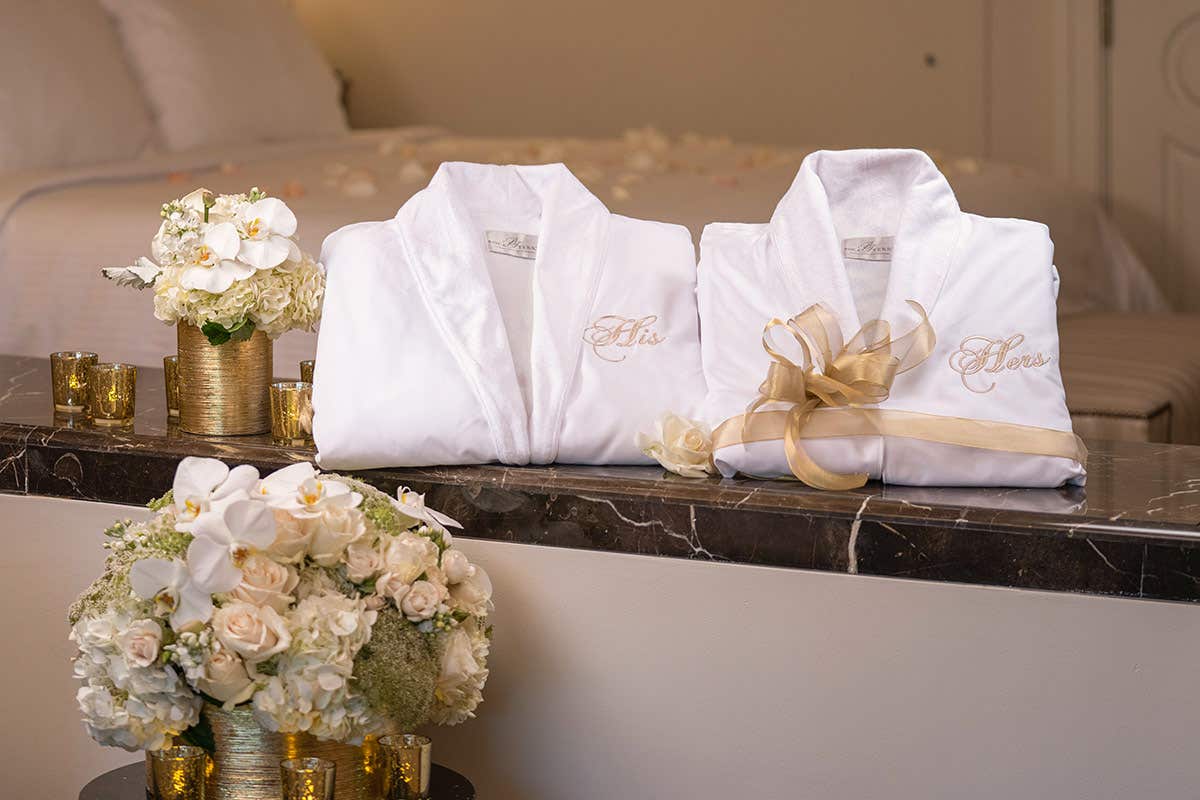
point(206, 484)
point(170, 586)
point(212, 265)
point(225, 539)
point(266, 227)
point(412, 505)
point(301, 491)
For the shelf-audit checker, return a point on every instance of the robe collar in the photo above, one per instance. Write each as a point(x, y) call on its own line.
point(447, 254)
point(929, 231)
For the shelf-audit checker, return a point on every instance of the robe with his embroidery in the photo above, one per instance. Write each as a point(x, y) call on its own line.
point(505, 315)
point(867, 233)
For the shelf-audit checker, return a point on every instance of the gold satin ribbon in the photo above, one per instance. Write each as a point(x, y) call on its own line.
point(832, 381)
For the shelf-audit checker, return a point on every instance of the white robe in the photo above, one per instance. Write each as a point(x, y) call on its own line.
point(503, 315)
point(988, 285)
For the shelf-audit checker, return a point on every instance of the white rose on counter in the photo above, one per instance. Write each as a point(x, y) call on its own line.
point(292, 538)
point(363, 561)
point(474, 594)
point(266, 583)
point(681, 445)
point(332, 533)
point(225, 678)
point(422, 601)
point(456, 567)
point(140, 642)
point(255, 633)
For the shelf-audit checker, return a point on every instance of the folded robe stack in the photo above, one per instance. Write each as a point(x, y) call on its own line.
point(503, 315)
point(870, 269)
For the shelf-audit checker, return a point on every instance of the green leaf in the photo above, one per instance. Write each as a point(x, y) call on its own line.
point(201, 735)
point(242, 332)
point(216, 333)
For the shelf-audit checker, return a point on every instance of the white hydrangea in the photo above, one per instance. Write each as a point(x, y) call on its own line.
point(123, 704)
point(312, 689)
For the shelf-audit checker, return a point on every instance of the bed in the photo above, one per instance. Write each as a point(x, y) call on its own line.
point(63, 218)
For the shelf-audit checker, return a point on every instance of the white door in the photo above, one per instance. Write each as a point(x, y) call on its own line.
point(1154, 138)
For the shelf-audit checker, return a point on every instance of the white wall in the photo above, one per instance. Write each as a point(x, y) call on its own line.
point(845, 74)
point(640, 677)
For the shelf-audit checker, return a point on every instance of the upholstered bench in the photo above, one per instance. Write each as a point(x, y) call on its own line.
point(1133, 377)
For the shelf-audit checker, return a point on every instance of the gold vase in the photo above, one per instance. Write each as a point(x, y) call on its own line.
point(223, 389)
point(246, 761)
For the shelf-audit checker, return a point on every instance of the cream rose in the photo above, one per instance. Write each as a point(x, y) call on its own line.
point(292, 538)
point(458, 662)
point(422, 600)
point(456, 567)
point(225, 678)
point(139, 642)
point(266, 583)
point(405, 557)
point(683, 446)
point(253, 632)
point(363, 561)
point(332, 533)
point(474, 594)
point(393, 586)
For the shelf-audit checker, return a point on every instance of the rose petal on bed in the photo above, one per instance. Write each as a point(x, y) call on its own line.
point(359, 183)
point(620, 193)
point(412, 172)
point(293, 189)
point(229, 168)
point(179, 177)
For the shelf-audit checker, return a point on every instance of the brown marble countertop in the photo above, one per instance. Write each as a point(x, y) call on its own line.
point(1134, 530)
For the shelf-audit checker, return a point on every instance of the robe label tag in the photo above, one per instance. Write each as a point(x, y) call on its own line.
point(508, 243)
point(868, 248)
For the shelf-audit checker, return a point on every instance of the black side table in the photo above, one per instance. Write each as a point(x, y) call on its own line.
point(129, 783)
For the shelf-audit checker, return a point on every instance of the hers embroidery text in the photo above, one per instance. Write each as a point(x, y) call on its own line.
point(612, 336)
point(980, 357)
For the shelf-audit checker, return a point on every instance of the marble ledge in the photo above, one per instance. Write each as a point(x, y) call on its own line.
point(1134, 531)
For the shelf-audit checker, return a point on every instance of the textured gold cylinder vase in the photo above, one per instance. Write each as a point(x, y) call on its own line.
point(246, 762)
point(223, 389)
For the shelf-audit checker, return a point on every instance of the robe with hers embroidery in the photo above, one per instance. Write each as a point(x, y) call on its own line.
point(505, 315)
point(868, 233)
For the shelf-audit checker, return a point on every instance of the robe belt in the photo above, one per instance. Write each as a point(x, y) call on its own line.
point(837, 379)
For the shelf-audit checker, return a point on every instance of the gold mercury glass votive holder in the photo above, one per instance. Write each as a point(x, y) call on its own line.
point(69, 380)
point(176, 773)
point(407, 763)
point(306, 779)
point(171, 380)
point(291, 413)
point(306, 370)
point(111, 392)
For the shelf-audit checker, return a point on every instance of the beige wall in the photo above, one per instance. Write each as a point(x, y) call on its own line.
point(851, 73)
point(636, 677)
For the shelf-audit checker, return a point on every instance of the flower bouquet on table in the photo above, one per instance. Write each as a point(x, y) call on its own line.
point(313, 602)
point(227, 271)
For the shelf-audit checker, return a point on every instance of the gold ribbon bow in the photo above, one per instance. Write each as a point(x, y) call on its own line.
point(832, 374)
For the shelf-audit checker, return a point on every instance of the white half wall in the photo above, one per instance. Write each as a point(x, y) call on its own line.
point(642, 677)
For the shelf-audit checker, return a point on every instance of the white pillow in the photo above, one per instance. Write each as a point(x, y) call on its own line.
point(228, 71)
point(67, 95)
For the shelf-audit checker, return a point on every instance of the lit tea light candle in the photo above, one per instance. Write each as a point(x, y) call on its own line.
point(112, 389)
point(407, 763)
point(69, 380)
point(306, 779)
point(176, 773)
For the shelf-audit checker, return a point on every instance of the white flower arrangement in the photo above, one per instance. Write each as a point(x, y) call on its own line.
point(322, 603)
point(229, 264)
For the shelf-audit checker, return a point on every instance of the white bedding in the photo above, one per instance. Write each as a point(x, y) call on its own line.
point(57, 228)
